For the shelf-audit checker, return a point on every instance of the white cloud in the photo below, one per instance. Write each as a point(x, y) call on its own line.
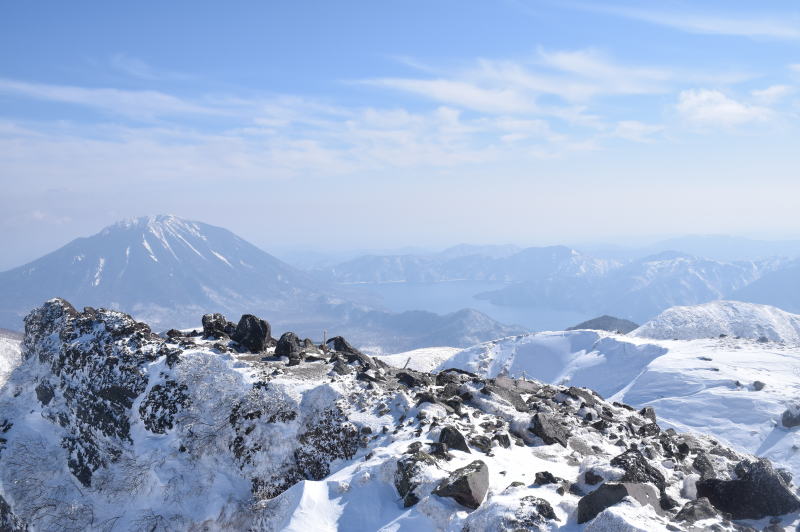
point(135, 104)
point(753, 26)
point(463, 94)
point(713, 108)
point(636, 131)
point(772, 94)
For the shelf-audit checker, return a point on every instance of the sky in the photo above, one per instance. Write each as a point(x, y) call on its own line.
point(341, 125)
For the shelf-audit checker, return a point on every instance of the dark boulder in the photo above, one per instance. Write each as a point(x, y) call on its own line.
point(252, 333)
point(791, 417)
point(217, 326)
point(609, 494)
point(703, 466)
point(289, 345)
point(758, 491)
point(340, 345)
point(549, 430)
point(454, 439)
point(467, 485)
point(546, 477)
point(592, 478)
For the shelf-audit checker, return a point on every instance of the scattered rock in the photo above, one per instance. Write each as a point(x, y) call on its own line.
point(638, 469)
point(758, 385)
point(467, 485)
point(592, 478)
point(546, 477)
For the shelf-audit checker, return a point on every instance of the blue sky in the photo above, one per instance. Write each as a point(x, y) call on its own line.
point(385, 124)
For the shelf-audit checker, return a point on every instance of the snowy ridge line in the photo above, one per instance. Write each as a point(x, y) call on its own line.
point(109, 426)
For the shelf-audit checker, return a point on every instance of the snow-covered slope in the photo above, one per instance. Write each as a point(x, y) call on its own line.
point(106, 426)
point(729, 318)
point(9, 355)
point(705, 386)
point(425, 359)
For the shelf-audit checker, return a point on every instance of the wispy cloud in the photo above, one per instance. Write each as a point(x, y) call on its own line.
point(753, 25)
point(145, 104)
point(137, 68)
point(706, 107)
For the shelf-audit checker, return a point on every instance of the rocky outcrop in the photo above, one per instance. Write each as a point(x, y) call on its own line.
point(217, 326)
point(101, 410)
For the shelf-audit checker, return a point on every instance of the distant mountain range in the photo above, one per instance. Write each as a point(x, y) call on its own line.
point(563, 279)
point(170, 271)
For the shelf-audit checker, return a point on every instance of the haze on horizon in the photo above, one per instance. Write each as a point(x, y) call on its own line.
point(378, 126)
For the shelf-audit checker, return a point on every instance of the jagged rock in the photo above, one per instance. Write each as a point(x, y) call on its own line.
point(609, 494)
point(549, 430)
point(175, 333)
point(340, 345)
point(217, 326)
point(44, 392)
point(252, 333)
point(289, 345)
point(454, 439)
point(467, 485)
point(638, 469)
point(758, 491)
point(405, 478)
point(697, 510)
point(649, 429)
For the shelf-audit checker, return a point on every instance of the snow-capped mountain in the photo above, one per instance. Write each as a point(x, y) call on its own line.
point(638, 290)
point(106, 426)
point(723, 318)
point(163, 269)
point(495, 263)
point(168, 271)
